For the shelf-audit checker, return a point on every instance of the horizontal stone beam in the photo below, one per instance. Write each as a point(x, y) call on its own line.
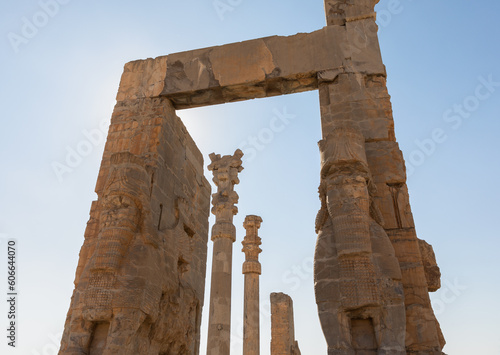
point(257, 68)
point(251, 69)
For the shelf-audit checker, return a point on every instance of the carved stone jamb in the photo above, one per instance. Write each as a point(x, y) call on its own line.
point(357, 276)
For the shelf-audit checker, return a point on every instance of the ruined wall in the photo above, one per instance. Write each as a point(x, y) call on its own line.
point(140, 281)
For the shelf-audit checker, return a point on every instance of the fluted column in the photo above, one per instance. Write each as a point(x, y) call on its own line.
point(225, 170)
point(252, 271)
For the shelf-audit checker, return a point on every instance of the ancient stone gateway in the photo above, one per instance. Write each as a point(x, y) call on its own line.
point(140, 280)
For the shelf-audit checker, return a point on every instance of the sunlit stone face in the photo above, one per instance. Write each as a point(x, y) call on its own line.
point(119, 211)
point(348, 194)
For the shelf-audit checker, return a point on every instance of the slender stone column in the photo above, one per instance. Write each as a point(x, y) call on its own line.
point(252, 271)
point(225, 170)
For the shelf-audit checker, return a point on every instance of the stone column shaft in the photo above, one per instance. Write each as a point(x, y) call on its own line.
point(252, 271)
point(225, 170)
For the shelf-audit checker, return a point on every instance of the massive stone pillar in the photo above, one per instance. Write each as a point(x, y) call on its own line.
point(252, 271)
point(363, 171)
point(282, 326)
point(140, 279)
point(225, 170)
point(358, 278)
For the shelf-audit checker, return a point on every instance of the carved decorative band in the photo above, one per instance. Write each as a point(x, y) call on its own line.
point(224, 230)
point(252, 267)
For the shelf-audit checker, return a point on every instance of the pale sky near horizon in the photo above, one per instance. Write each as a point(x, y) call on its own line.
point(60, 70)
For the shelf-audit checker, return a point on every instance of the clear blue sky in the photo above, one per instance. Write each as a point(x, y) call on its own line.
point(59, 80)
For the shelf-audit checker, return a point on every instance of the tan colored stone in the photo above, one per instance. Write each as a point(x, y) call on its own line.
point(354, 255)
point(142, 78)
point(252, 271)
point(251, 69)
point(282, 326)
point(257, 68)
point(137, 274)
point(340, 12)
point(140, 279)
point(432, 272)
point(225, 170)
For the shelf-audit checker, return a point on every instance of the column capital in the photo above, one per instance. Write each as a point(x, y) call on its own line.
point(226, 168)
point(251, 244)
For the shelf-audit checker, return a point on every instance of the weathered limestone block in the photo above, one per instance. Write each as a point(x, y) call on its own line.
point(357, 276)
point(143, 79)
point(142, 265)
point(251, 69)
point(392, 200)
point(432, 272)
point(225, 170)
point(423, 331)
point(362, 98)
point(282, 326)
point(338, 12)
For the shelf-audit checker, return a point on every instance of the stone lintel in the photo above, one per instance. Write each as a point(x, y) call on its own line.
point(256, 68)
point(251, 69)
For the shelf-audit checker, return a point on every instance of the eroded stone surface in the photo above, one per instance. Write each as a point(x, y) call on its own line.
point(360, 99)
point(140, 279)
point(251, 69)
point(340, 12)
point(357, 276)
point(432, 272)
point(252, 271)
point(257, 68)
point(282, 326)
point(139, 284)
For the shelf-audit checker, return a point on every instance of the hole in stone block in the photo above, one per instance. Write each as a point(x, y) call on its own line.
point(99, 338)
point(363, 337)
point(159, 218)
point(189, 231)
